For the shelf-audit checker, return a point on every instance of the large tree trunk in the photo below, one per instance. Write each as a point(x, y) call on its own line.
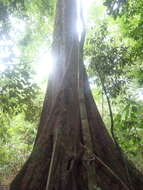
point(73, 150)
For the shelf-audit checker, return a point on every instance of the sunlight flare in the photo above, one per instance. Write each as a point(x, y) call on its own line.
point(44, 65)
point(2, 67)
point(86, 6)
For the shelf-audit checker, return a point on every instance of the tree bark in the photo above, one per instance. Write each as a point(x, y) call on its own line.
point(73, 149)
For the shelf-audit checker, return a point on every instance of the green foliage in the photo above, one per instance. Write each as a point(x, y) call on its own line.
point(108, 59)
point(17, 145)
point(15, 89)
point(22, 31)
point(116, 7)
point(25, 8)
point(130, 17)
point(129, 122)
point(114, 64)
point(19, 113)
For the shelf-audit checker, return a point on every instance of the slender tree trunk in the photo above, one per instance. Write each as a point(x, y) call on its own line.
point(73, 150)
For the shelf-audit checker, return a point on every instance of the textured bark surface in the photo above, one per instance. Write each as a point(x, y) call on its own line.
point(73, 150)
